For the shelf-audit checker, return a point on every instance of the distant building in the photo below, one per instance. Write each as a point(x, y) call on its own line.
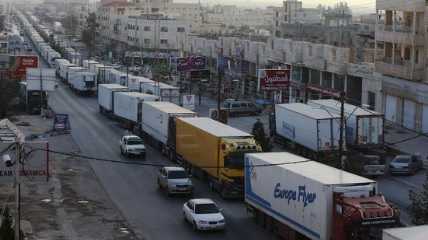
point(155, 31)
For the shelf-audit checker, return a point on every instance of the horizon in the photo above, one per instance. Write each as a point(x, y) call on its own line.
point(357, 6)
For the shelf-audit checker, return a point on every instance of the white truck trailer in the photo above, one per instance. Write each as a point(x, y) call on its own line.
point(105, 96)
point(364, 127)
point(298, 197)
point(128, 106)
point(156, 117)
point(136, 83)
point(117, 77)
point(83, 81)
point(166, 92)
point(310, 130)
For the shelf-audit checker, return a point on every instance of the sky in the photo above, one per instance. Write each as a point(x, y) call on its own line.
point(358, 6)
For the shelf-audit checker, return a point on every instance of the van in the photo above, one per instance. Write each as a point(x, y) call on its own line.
point(237, 108)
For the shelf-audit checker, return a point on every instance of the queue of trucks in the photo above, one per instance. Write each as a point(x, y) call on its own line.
point(293, 196)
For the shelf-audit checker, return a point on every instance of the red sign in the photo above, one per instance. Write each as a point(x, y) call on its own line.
point(274, 79)
point(19, 65)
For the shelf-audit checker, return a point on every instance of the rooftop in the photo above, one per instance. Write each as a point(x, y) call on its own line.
point(311, 169)
point(215, 128)
point(309, 111)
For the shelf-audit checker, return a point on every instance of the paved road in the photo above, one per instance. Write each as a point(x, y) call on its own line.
point(133, 188)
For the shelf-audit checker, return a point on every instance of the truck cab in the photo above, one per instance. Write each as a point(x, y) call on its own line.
point(231, 177)
point(362, 217)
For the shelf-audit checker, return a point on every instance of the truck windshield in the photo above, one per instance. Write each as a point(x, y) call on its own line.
point(234, 160)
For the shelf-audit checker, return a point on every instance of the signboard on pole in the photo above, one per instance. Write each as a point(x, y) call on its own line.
point(189, 102)
point(191, 63)
point(20, 64)
point(34, 165)
point(273, 79)
point(61, 122)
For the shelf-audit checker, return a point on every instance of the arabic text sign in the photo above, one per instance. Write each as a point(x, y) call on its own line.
point(274, 79)
point(34, 168)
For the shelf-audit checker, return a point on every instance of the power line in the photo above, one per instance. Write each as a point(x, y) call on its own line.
point(153, 164)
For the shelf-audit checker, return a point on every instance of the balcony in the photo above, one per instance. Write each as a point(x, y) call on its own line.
point(399, 34)
point(400, 69)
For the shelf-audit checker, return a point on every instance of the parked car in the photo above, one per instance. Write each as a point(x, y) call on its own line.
point(174, 180)
point(373, 166)
point(131, 145)
point(236, 107)
point(203, 214)
point(405, 164)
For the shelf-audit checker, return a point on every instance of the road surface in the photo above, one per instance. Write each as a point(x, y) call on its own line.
point(150, 213)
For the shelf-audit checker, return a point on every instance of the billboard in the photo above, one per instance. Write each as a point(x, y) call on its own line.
point(18, 65)
point(34, 167)
point(273, 79)
point(191, 63)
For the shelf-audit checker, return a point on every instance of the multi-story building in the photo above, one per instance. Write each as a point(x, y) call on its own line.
point(188, 12)
point(401, 36)
point(231, 15)
point(155, 31)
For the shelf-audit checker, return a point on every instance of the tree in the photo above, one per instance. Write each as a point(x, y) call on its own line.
point(70, 24)
point(419, 206)
point(89, 33)
point(8, 93)
point(6, 230)
point(260, 136)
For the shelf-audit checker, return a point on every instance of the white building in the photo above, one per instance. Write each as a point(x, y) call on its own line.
point(231, 15)
point(293, 12)
point(155, 31)
point(401, 35)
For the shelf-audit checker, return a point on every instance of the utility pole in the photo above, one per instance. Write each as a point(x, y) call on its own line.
point(18, 192)
point(41, 91)
point(220, 70)
point(342, 126)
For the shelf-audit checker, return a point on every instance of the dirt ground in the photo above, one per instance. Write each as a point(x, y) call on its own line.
point(72, 204)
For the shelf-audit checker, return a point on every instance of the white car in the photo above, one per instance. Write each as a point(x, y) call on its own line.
point(203, 214)
point(132, 145)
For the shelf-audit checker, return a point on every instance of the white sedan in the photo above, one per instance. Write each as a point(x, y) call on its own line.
point(203, 214)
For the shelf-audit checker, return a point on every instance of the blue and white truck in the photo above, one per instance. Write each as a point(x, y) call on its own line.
point(302, 199)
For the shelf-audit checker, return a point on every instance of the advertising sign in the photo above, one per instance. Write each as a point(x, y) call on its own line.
point(189, 102)
point(191, 63)
point(34, 168)
point(20, 64)
point(273, 79)
point(61, 122)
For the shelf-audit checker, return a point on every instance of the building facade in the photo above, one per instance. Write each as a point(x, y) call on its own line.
point(401, 66)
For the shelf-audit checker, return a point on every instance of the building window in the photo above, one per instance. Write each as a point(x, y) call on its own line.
point(310, 51)
point(147, 41)
point(371, 100)
point(164, 29)
point(181, 29)
point(147, 28)
point(164, 41)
